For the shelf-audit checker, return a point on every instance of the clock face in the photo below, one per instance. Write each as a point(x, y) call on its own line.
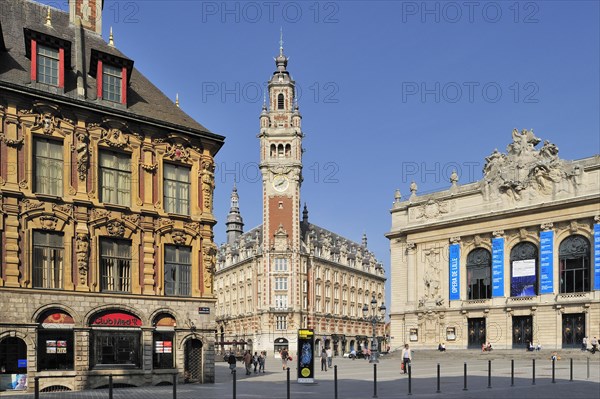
point(280, 183)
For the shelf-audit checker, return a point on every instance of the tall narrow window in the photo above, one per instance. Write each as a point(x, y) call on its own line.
point(178, 266)
point(47, 65)
point(280, 101)
point(479, 274)
point(281, 265)
point(177, 189)
point(115, 178)
point(115, 265)
point(574, 260)
point(111, 83)
point(281, 301)
point(47, 260)
point(523, 259)
point(48, 164)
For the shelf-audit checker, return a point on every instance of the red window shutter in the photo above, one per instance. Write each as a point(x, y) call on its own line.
point(61, 67)
point(99, 75)
point(124, 86)
point(33, 60)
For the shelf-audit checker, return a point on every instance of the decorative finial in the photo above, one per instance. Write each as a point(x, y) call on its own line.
point(111, 41)
point(264, 100)
point(413, 189)
point(48, 18)
point(177, 99)
point(281, 41)
point(364, 240)
point(397, 196)
point(454, 177)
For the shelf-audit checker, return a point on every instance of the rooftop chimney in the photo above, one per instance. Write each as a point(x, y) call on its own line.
point(89, 12)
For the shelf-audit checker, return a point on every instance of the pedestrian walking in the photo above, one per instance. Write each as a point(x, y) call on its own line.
point(584, 344)
point(248, 362)
point(255, 362)
point(329, 357)
point(284, 357)
point(323, 360)
point(594, 345)
point(232, 361)
point(261, 361)
point(406, 358)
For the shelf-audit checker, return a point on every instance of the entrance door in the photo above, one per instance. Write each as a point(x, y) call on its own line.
point(193, 361)
point(476, 329)
point(573, 330)
point(522, 331)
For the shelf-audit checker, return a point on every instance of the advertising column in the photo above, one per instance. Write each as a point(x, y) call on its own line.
point(306, 347)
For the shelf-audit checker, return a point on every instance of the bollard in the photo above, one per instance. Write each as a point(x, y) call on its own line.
point(335, 382)
point(374, 380)
point(288, 383)
point(571, 377)
point(512, 372)
point(409, 378)
point(588, 368)
point(533, 371)
point(489, 373)
point(553, 362)
point(465, 387)
point(234, 378)
point(174, 386)
point(438, 379)
point(36, 381)
point(110, 387)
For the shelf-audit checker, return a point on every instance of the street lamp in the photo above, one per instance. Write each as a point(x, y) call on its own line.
point(374, 318)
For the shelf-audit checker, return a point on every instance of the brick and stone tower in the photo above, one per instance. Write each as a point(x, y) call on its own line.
point(281, 167)
point(89, 12)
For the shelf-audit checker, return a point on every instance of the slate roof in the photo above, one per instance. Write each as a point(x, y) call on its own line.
point(145, 101)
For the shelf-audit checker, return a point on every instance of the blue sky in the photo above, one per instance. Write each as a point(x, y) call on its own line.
point(391, 91)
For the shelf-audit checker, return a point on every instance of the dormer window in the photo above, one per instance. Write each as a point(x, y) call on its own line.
point(280, 101)
point(112, 83)
point(50, 58)
point(113, 74)
point(48, 62)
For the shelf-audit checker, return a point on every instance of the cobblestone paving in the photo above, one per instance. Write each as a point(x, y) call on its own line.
point(355, 381)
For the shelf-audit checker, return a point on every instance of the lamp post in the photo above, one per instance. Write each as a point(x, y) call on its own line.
point(374, 318)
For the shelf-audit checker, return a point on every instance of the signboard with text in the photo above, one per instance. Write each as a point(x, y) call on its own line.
point(498, 267)
point(306, 358)
point(597, 257)
point(454, 272)
point(546, 262)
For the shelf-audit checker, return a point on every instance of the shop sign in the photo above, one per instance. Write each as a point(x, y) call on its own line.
point(117, 319)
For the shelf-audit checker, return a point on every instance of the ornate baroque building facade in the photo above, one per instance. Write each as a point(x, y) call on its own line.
point(510, 259)
point(106, 220)
point(288, 273)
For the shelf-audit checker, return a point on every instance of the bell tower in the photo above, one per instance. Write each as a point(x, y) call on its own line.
point(281, 160)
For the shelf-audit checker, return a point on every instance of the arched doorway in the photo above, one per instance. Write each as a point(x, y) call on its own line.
point(193, 361)
point(13, 360)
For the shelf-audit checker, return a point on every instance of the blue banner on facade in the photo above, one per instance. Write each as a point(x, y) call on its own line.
point(454, 272)
point(498, 267)
point(547, 262)
point(597, 256)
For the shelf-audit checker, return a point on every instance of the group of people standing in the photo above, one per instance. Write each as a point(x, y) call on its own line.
point(249, 360)
point(593, 343)
point(326, 358)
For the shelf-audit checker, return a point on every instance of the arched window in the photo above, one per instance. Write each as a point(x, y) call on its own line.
point(56, 342)
point(280, 101)
point(574, 261)
point(523, 261)
point(280, 150)
point(12, 351)
point(288, 150)
point(273, 151)
point(163, 339)
point(479, 274)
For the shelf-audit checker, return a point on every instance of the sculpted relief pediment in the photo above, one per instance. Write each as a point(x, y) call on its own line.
point(526, 172)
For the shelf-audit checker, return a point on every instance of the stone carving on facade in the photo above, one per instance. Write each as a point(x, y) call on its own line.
point(209, 260)
point(82, 244)
point(67, 209)
point(523, 169)
point(432, 209)
point(150, 168)
point(133, 219)
point(597, 219)
point(100, 214)
point(114, 138)
point(573, 226)
point(413, 190)
point(431, 278)
point(83, 154)
point(547, 226)
point(162, 222)
point(11, 142)
point(454, 177)
point(47, 122)
point(208, 183)
point(23, 184)
point(27, 205)
point(177, 152)
point(195, 226)
point(498, 233)
point(115, 228)
point(523, 233)
point(455, 240)
point(48, 222)
point(179, 237)
point(411, 246)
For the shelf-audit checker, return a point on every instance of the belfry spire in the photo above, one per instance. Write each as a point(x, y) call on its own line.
point(235, 223)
